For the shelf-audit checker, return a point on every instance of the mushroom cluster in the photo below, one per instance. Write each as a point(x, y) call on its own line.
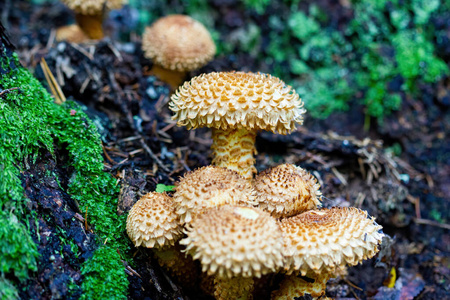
point(239, 227)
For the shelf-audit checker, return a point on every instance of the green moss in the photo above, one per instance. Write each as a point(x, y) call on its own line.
point(385, 42)
point(7, 290)
point(18, 251)
point(257, 5)
point(104, 275)
point(30, 121)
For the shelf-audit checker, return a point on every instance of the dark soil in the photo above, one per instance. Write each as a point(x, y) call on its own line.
point(143, 147)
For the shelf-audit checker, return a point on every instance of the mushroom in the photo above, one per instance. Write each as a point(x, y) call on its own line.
point(286, 190)
point(317, 243)
point(71, 33)
point(153, 223)
point(208, 187)
point(177, 44)
point(235, 244)
point(89, 14)
point(236, 105)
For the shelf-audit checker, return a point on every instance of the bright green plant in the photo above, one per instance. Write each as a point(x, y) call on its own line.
point(162, 188)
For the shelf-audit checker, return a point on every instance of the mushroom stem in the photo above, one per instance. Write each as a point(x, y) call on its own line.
point(178, 265)
point(92, 25)
point(234, 149)
point(295, 286)
point(236, 288)
point(172, 77)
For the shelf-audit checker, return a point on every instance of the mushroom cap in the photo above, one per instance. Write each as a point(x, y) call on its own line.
point(235, 241)
point(225, 100)
point(152, 221)
point(210, 186)
point(93, 7)
point(326, 239)
point(286, 190)
point(178, 42)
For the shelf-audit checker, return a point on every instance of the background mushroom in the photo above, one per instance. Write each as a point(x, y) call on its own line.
point(236, 105)
point(177, 44)
point(235, 244)
point(286, 190)
point(89, 14)
point(318, 242)
point(71, 33)
point(208, 187)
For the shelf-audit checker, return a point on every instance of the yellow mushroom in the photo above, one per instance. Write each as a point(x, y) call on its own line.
point(236, 105)
point(153, 223)
point(317, 243)
point(208, 187)
point(286, 190)
point(177, 44)
point(235, 244)
point(89, 15)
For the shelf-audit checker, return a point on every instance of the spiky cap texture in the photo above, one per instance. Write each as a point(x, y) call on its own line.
point(235, 241)
point(93, 7)
point(326, 239)
point(210, 186)
point(152, 221)
point(178, 42)
point(286, 190)
point(226, 100)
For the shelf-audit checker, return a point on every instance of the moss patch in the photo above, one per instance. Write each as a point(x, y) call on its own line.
point(30, 121)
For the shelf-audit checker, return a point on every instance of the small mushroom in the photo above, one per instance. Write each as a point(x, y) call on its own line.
point(235, 244)
point(177, 44)
point(286, 190)
point(152, 221)
point(89, 14)
point(236, 105)
point(208, 187)
point(317, 243)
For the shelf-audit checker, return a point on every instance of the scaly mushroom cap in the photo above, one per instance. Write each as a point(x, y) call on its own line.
point(286, 190)
point(235, 241)
point(227, 100)
point(211, 186)
point(93, 7)
point(178, 42)
point(326, 239)
point(152, 221)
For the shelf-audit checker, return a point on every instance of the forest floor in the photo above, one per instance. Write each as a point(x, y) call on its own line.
point(407, 193)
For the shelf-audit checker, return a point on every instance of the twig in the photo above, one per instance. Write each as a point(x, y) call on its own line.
point(432, 223)
point(8, 91)
point(82, 51)
point(85, 220)
point(154, 280)
point(352, 284)
point(107, 156)
point(339, 176)
point(54, 86)
point(153, 156)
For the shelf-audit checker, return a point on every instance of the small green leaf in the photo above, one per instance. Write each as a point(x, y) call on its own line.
point(161, 188)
